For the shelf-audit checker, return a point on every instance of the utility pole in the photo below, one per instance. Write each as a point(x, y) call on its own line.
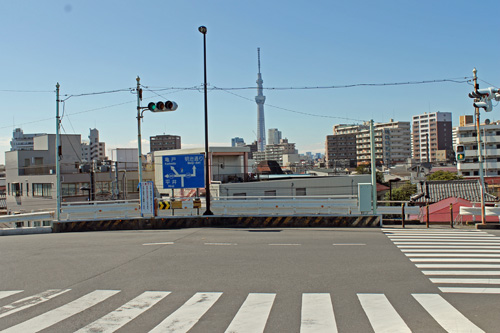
point(374, 169)
point(139, 143)
point(479, 150)
point(58, 156)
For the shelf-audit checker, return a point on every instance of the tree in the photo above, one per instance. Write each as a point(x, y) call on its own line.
point(402, 193)
point(443, 175)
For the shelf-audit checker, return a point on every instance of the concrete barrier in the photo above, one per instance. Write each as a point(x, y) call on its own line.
point(315, 221)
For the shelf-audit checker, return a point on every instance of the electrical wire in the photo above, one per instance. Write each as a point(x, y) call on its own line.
point(294, 111)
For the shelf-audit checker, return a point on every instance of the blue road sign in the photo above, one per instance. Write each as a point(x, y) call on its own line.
point(183, 171)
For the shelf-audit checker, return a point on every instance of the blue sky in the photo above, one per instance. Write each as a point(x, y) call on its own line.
point(95, 46)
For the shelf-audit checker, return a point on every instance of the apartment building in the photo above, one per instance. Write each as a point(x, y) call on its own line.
point(93, 150)
point(490, 137)
point(340, 148)
point(22, 141)
point(431, 132)
point(392, 143)
point(284, 153)
point(164, 142)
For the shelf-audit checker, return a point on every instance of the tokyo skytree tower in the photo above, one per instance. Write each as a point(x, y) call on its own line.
point(260, 99)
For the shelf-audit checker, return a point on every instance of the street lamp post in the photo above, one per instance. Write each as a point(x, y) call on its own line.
point(203, 30)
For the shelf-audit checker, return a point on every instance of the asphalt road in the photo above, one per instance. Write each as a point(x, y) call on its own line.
point(283, 280)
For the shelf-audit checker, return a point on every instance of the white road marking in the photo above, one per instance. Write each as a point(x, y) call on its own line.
point(457, 266)
point(185, 317)
point(8, 293)
point(478, 237)
point(284, 244)
point(163, 243)
point(30, 301)
point(453, 260)
point(473, 244)
point(427, 230)
point(465, 281)
point(450, 233)
point(461, 255)
point(52, 317)
point(461, 272)
point(253, 314)
point(445, 314)
point(451, 249)
point(472, 290)
point(381, 314)
point(126, 313)
point(317, 314)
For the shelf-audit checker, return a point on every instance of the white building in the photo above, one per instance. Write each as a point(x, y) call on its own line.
point(273, 136)
point(392, 143)
point(432, 132)
point(276, 152)
point(490, 135)
point(21, 141)
point(93, 150)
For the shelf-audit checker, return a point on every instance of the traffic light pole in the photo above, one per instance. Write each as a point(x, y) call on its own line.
point(479, 150)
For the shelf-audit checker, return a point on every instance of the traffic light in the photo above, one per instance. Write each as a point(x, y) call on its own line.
point(485, 96)
point(162, 106)
point(460, 153)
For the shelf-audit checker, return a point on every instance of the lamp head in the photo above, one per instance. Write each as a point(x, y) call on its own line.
point(203, 30)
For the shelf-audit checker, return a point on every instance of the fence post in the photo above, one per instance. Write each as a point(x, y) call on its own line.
point(403, 214)
point(427, 217)
point(451, 215)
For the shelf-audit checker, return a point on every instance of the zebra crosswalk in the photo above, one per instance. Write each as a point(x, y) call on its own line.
point(317, 312)
point(457, 261)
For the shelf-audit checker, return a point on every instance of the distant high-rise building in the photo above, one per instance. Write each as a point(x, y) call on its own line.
point(164, 142)
point(273, 136)
point(21, 141)
point(260, 99)
point(431, 132)
point(94, 149)
point(466, 120)
point(340, 148)
point(237, 142)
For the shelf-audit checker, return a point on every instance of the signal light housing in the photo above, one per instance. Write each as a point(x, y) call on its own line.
point(460, 153)
point(162, 106)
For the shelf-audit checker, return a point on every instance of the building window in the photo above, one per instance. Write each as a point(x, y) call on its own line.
point(42, 190)
point(300, 192)
point(271, 193)
point(17, 189)
point(69, 189)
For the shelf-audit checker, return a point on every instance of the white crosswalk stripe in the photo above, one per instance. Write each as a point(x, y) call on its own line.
point(445, 314)
point(30, 301)
point(7, 293)
point(188, 314)
point(451, 253)
point(52, 317)
point(382, 315)
point(124, 314)
point(253, 314)
point(317, 313)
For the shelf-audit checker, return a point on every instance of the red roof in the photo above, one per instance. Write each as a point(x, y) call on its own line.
point(440, 212)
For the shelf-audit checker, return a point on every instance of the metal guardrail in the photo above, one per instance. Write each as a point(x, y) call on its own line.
point(100, 209)
point(489, 211)
point(12, 221)
point(223, 206)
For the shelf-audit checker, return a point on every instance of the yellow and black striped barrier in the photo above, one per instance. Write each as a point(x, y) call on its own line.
point(314, 221)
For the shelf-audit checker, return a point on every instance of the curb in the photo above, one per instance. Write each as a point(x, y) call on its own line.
point(25, 231)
